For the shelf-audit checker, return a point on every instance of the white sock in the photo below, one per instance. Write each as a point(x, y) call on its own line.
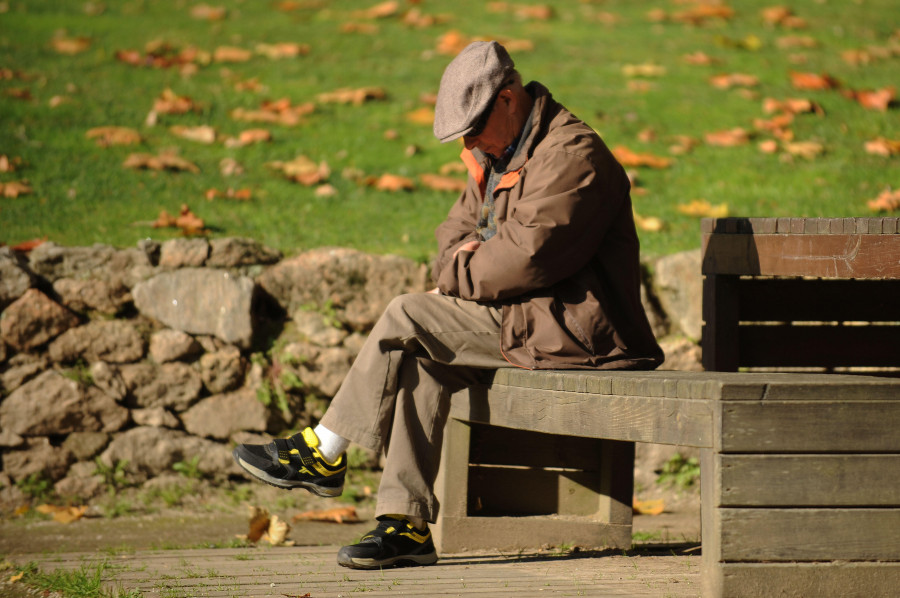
point(331, 446)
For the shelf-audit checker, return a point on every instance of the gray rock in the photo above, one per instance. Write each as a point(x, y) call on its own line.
point(171, 385)
point(80, 482)
point(106, 297)
point(234, 252)
point(326, 372)
point(20, 369)
point(114, 341)
point(200, 301)
point(183, 253)
point(53, 404)
point(354, 344)
point(173, 345)
point(100, 261)
point(678, 285)
point(150, 452)
point(358, 286)
point(37, 456)
point(10, 439)
point(223, 370)
point(681, 354)
point(85, 445)
point(108, 379)
point(15, 277)
point(222, 415)
point(158, 417)
point(34, 319)
point(313, 327)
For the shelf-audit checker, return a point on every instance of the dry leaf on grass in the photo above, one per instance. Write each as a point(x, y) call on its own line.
point(887, 201)
point(346, 95)
point(379, 11)
point(70, 45)
point(729, 80)
point(647, 69)
point(792, 106)
point(302, 170)
point(163, 161)
point(699, 14)
point(728, 138)
point(699, 58)
point(169, 102)
point(883, 147)
point(231, 54)
point(249, 137)
point(442, 183)
point(26, 246)
point(336, 515)
point(280, 112)
point(206, 12)
point(269, 528)
point(390, 182)
point(282, 50)
point(187, 221)
point(237, 194)
point(537, 12)
point(106, 136)
point(200, 134)
point(8, 164)
point(879, 99)
point(648, 507)
point(421, 116)
point(14, 189)
point(628, 158)
point(700, 208)
point(682, 144)
point(363, 28)
point(650, 224)
point(813, 81)
point(62, 514)
point(804, 149)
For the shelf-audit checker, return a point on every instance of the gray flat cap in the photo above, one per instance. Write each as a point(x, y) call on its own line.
point(468, 85)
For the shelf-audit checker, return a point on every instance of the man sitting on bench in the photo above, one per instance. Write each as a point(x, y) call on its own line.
point(537, 267)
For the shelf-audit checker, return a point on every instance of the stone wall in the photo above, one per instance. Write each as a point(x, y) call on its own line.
point(151, 356)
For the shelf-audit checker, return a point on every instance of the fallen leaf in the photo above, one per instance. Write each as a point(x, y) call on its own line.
point(231, 54)
point(14, 189)
point(16, 577)
point(437, 182)
point(347, 95)
point(750, 42)
point(391, 182)
point(701, 208)
point(70, 45)
point(804, 149)
point(259, 523)
point(188, 222)
point(249, 137)
point(792, 106)
point(881, 146)
point(727, 81)
point(699, 14)
point(9, 165)
point(782, 16)
point(62, 514)
point(452, 43)
point(728, 138)
point(239, 194)
point(25, 247)
point(277, 532)
point(19, 93)
point(416, 18)
point(364, 28)
point(201, 134)
point(379, 11)
point(303, 170)
point(537, 12)
point(650, 224)
point(648, 507)
point(163, 161)
point(452, 168)
point(282, 50)
point(230, 167)
point(628, 158)
point(796, 41)
point(768, 146)
point(699, 58)
point(887, 201)
point(682, 144)
point(813, 81)
point(646, 69)
point(280, 112)
point(776, 123)
point(879, 99)
point(336, 515)
point(208, 13)
point(21, 509)
point(171, 103)
point(421, 116)
point(326, 190)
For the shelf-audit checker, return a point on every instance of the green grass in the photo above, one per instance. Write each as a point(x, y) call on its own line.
point(83, 195)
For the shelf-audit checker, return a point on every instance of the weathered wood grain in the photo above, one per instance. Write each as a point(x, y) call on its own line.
point(802, 580)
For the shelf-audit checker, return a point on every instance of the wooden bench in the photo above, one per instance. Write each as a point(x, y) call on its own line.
point(799, 487)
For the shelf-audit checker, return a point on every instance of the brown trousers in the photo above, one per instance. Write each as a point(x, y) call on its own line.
point(396, 396)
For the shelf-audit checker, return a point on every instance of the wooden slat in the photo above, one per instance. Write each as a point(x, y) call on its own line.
point(637, 419)
point(818, 346)
point(824, 300)
point(515, 533)
point(826, 256)
point(822, 580)
point(809, 480)
point(810, 534)
point(810, 426)
point(720, 316)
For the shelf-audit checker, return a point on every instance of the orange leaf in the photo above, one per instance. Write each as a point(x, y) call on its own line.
point(356, 97)
point(880, 99)
point(648, 507)
point(279, 112)
point(62, 514)
point(699, 58)
point(336, 515)
point(734, 80)
point(651, 224)
point(391, 182)
point(804, 149)
point(9, 165)
point(160, 162)
point(14, 189)
point(792, 106)
point(701, 13)
point(421, 116)
point(303, 170)
point(71, 45)
point(201, 134)
point(106, 136)
point(231, 54)
point(883, 147)
point(628, 158)
point(701, 208)
point(442, 183)
point(208, 13)
point(887, 201)
point(282, 50)
point(813, 81)
point(240, 194)
point(452, 43)
point(729, 138)
point(188, 222)
point(381, 11)
point(364, 28)
point(25, 247)
point(259, 523)
point(170, 103)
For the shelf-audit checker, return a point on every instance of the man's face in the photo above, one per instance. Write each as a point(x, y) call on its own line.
point(498, 130)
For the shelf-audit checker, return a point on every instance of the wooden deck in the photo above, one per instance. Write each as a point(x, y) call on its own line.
point(312, 571)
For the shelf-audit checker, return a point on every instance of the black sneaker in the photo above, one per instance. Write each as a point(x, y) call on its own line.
point(293, 462)
point(394, 543)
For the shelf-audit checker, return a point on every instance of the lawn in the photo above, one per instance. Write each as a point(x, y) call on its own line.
point(656, 78)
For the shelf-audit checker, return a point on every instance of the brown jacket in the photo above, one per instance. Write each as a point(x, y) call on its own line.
point(564, 262)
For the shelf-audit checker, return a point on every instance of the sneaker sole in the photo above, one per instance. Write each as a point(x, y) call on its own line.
point(323, 491)
point(398, 561)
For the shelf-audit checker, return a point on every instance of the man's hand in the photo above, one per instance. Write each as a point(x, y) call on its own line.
point(470, 246)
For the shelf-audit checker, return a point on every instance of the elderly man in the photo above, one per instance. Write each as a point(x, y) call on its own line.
point(537, 267)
